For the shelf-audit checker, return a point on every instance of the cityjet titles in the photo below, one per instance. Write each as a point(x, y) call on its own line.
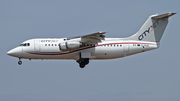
point(148, 30)
point(49, 40)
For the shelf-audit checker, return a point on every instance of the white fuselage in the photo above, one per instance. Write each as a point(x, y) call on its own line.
point(109, 48)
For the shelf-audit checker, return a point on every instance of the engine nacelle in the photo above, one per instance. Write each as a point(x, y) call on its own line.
point(66, 46)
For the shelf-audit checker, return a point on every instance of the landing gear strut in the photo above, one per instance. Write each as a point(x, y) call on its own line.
point(19, 62)
point(83, 62)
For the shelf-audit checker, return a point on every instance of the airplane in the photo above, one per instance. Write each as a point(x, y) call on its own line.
point(94, 46)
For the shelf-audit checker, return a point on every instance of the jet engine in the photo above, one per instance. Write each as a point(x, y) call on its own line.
point(66, 46)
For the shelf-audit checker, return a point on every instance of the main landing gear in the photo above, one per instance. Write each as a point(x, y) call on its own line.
point(19, 62)
point(83, 62)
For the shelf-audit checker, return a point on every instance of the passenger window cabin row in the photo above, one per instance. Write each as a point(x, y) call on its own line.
point(51, 45)
point(89, 45)
point(112, 45)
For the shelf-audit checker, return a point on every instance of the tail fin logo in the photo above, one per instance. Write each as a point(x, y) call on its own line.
point(148, 30)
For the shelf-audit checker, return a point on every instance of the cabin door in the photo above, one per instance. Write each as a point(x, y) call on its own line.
point(126, 46)
point(37, 45)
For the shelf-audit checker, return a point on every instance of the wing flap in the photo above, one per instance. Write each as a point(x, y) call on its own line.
point(93, 38)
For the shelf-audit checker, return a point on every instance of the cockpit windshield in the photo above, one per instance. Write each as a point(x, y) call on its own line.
point(21, 45)
point(25, 44)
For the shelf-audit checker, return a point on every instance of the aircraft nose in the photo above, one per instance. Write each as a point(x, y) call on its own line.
point(10, 52)
point(16, 52)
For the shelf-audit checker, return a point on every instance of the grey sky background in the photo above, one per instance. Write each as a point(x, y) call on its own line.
point(148, 76)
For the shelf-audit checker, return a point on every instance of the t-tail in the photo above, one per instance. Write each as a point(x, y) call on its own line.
point(153, 28)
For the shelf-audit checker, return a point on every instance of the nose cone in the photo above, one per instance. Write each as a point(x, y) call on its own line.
point(16, 52)
point(10, 53)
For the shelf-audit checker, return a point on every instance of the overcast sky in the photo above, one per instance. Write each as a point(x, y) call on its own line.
point(148, 76)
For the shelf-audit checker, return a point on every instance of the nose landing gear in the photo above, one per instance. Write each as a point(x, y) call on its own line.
point(19, 62)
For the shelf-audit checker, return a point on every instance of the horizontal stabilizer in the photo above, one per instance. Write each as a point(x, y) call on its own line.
point(163, 15)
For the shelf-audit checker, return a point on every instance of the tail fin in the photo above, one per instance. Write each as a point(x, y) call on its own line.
point(153, 28)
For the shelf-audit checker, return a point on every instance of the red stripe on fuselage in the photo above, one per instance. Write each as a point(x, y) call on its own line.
point(45, 53)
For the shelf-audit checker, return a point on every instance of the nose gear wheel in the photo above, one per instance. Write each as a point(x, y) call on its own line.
point(19, 62)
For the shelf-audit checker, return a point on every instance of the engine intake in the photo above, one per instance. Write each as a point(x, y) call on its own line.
point(67, 46)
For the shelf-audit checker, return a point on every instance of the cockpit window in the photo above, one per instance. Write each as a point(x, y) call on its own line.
point(21, 45)
point(25, 44)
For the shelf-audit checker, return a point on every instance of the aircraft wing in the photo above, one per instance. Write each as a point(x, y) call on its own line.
point(91, 38)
